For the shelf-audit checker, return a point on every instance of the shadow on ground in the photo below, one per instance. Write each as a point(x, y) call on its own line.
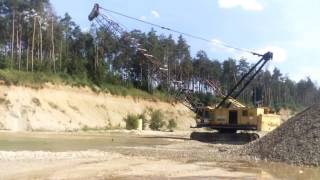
point(214, 138)
point(224, 138)
point(168, 137)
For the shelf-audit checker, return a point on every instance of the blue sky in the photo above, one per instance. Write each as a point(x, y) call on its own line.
point(289, 28)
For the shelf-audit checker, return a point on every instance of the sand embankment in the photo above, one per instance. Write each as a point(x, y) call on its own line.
point(65, 108)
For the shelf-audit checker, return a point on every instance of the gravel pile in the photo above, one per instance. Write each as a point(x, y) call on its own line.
point(297, 141)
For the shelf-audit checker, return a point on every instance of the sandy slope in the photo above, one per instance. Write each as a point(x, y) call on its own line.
point(63, 108)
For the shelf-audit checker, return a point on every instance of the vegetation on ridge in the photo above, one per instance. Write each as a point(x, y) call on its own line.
point(37, 46)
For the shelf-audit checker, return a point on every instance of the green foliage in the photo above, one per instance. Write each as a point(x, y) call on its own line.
point(156, 122)
point(5, 62)
point(85, 128)
point(36, 79)
point(132, 121)
point(104, 63)
point(122, 90)
point(172, 124)
point(207, 99)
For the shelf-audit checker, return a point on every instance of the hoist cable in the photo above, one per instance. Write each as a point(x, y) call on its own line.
point(217, 43)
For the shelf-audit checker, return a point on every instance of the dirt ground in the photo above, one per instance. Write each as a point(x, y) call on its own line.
point(132, 155)
point(106, 165)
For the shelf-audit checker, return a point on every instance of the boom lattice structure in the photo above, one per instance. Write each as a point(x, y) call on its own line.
point(158, 71)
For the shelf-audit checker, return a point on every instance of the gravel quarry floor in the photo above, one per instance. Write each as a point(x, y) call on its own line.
point(132, 155)
point(297, 141)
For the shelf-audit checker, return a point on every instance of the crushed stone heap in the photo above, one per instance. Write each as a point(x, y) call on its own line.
point(297, 141)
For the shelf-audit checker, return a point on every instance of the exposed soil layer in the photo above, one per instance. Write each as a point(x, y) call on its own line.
point(297, 141)
point(61, 108)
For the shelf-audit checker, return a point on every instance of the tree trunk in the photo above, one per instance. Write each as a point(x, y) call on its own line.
point(38, 47)
point(20, 49)
point(28, 57)
point(32, 48)
point(53, 54)
point(17, 46)
point(96, 59)
point(60, 55)
point(12, 41)
point(40, 31)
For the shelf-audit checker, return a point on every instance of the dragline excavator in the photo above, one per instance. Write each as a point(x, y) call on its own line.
point(229, 115)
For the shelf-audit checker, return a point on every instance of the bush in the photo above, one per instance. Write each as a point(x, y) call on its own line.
point(85, 128)
point(132, 121)
point(172, 124)
point(156, 122)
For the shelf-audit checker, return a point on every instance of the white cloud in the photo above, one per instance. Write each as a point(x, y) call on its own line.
point(280, 55)
point(155, 14)
point(143, 18)
point(218, 46)
point(249, 5)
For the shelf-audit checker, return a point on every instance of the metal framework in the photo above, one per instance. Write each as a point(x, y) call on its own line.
point(158, 70)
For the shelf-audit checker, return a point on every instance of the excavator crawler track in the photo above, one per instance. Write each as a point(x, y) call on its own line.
point(224, 138)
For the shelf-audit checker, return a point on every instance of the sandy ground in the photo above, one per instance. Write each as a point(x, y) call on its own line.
point(104, 165)
point(179, 158)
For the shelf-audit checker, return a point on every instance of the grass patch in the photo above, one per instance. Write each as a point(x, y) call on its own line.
point(2, 100)
point(120, 90)
point(132, 121)
point(86, 128)
point(156, 121)
point(38, 79)
point(172, 124)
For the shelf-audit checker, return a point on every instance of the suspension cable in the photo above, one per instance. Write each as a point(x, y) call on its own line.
point(217, 43)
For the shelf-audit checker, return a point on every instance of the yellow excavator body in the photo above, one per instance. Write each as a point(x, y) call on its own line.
point(238, 118)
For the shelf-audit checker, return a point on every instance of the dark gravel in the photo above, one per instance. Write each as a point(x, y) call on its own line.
point(297, 141)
